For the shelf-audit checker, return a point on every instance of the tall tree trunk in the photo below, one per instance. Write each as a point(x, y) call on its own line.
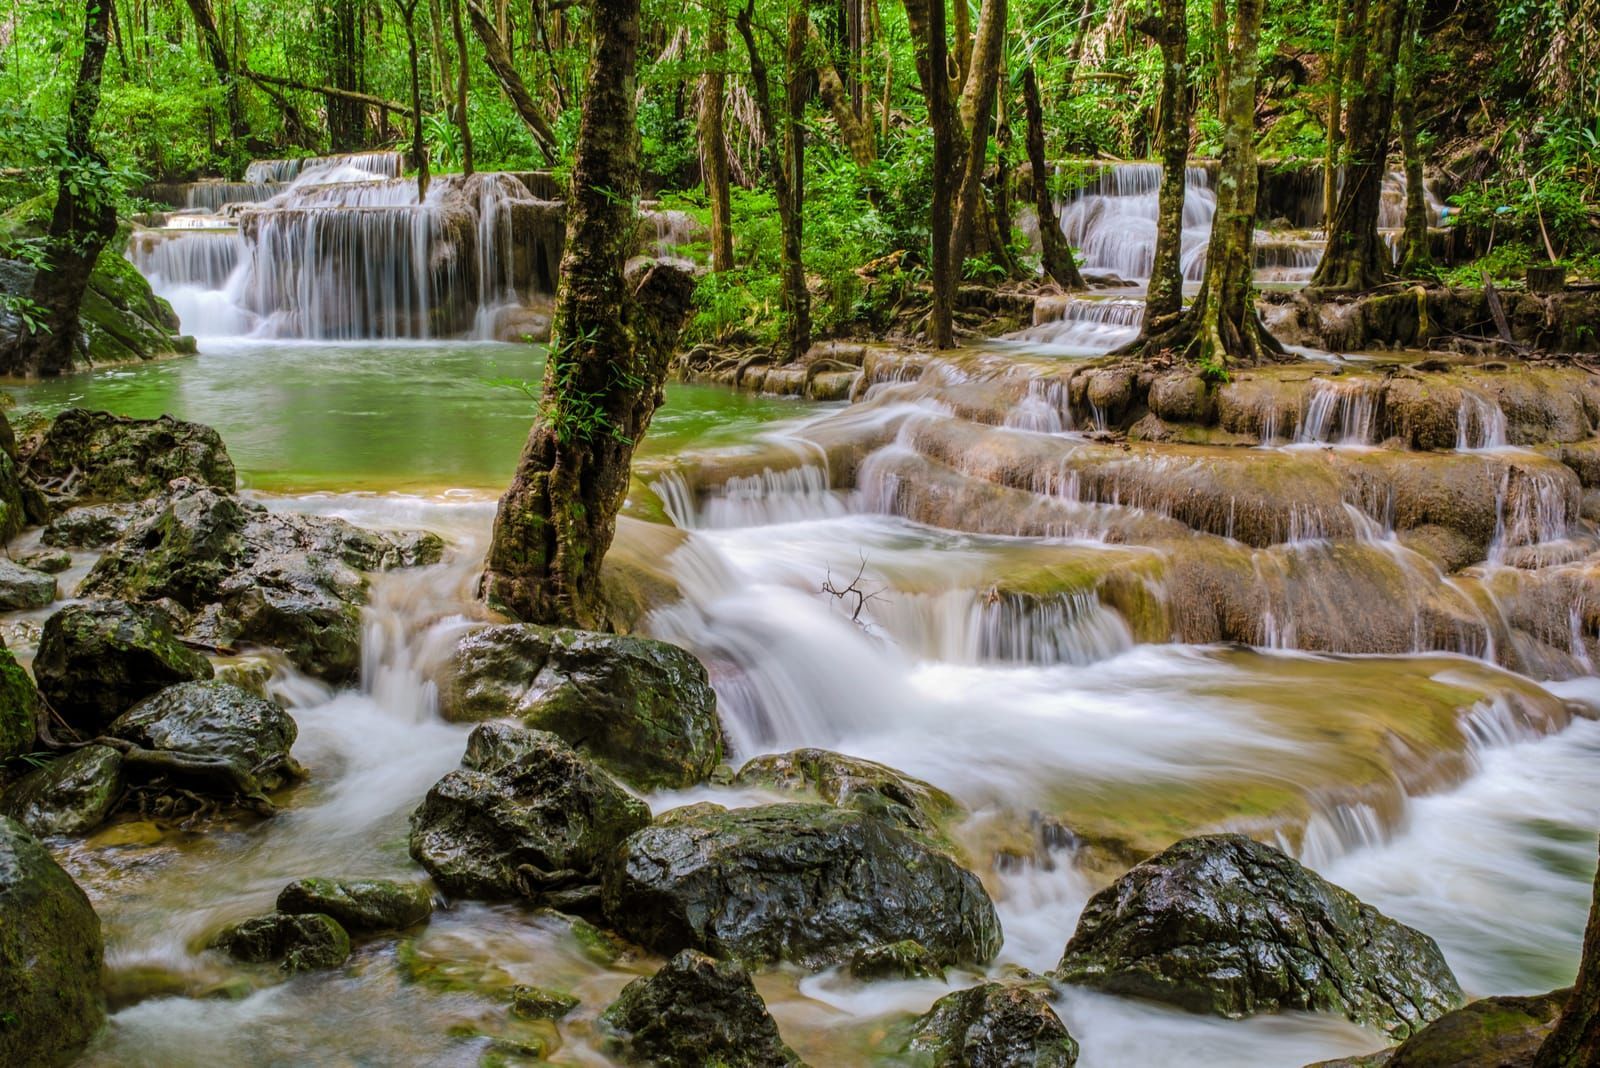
point(82, 224)
point(1330, 160)
point(347, 116)
point(1164, 299)
point(441, 55)
point(976, 113)
point(463, 120)
point(714, 139)
point(1575, 1042)
point(607, 362)
point(784, 150)
point(205, 22)
point(1219, 53)
point(1416, 258)
point(932, 47)
point(856, 135)
point(494, 50)
point(1059, 265)
point(419, 147)
point(1356, 257)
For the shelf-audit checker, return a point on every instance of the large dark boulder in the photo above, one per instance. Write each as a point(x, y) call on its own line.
point(851, 782)
point(209, 737)
point(802, 882)
point(99, 658)
point(1223, 924)
point(297, 943)
point(23, 587)
point(524, 814)
point(96, 456)
point(693, 1012)
point(249, 574)
point(641, 707)
point(19, 708)
point(359, 904)
point(72, 794)
point(995, 1025)
point(51, 955)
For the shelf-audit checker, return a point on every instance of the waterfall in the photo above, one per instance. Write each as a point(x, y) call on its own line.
point(1112, 218)
point(383, 164)
point(1480, 423)
point(966, 626)
point(1083, 325)
point(1340, 413)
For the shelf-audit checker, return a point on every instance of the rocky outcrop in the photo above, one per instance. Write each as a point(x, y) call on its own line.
point(851, 782)
point(1419, 317)
point(995, 1025)
point(19, 708)
point(72, 794)
point(296, 943)
point(90, 526)
point(208, 737)
point(91, 456)
point(99, 658)
point(23, 588)
point(801, 882)
point(693, 1012)
point(524, 816)
point(642, 708)
point(248, 574)
point(359, 905)
point(1498, 1032)
point(1225, 925)
point(51, 955)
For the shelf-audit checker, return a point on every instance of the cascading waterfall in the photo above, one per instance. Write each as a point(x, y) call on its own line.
point(1340, 413)
point(384, 164)
point(1083, 325)
point(1480, 423)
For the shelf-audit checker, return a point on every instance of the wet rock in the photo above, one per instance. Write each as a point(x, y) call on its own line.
point(851, 782)
point(98, 658)
point(248, 574)
point(539, 1003)
point(72, 794)
point(90, 526)
point(359, 905)
point(897, 960)
point(802, 882)
point(1222, 924)
point(1500, 1032)
point(51, 955)
point(642, 708)
point(298, 943)
point(22, 587)
point(19, 708)
point(13, 507)
point(96, 456)
point(696, 1011)
point(524, 815)
point(49, 561)
point(995, 1025)
point(209, 737)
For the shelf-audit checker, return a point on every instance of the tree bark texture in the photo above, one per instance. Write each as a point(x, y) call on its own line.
point(1575, 1042)
point(714, 139)
point(933, 63)
point(499, 60)
point(1165, 294)
point(1059, 265)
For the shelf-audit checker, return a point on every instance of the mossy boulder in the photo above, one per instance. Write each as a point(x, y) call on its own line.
point(209, 737)
point(541, 1003)
point(1225, 925)
point(93, 456)
point(360, 904)
point(51, 955)
point(19, 708)
point(693, 1013)
point(97, 659)
point(1498, 1032)
point(24, 588)
point(524, 815)
point(296, 942)
point(905, 959)
point(13, 511)
point(801, 882)
point(90, 526)
point(72, 794)
point(995, 1025)
point(851, 782)
point(642, 708)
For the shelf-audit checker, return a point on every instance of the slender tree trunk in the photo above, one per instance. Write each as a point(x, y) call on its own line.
point(1164, 298)
point(714, 139)
point(206, 24)
point(1356, 257)
point(1416, 258)
point(463, 120)
point(856, 134)
point(1219, 53)
point(928, 36)
point(441, 55)
point(494, 50)
point(976, 113)
point(606, 365)
point(1330, 162)
point(347, 119)
point(1575, 1042)
point(82, 224)
point(1059, 265)
point(419, 147)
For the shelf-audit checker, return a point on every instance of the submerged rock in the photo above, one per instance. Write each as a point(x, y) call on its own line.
point(248, 574)
point(97, 456)
point(524, 815)
point(996, 1025)
point(1223, 924)
point(22, 587)
point(210, 737)
point(641, 707)
point(802, 882)
point(539, 1003)
point(851, 782)
point(51, 955)
point(359, 905)
point(299, 943)
point(98, 658)
point(695, 1012)
point(49, 561)
point(19, 708)
point(72, 794)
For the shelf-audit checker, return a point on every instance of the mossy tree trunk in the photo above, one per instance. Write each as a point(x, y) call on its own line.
point(462, 122)
point(83, 222)
point(1335, 126)
point(1164, 300)
point(928, 35)
point(612, 338)
point(1416, 258)
point(1222, 326)
point(1057, 254)
point(976, 113)
point(1575, 1042)
point(347, 115)
point(1356, 257)
point(853, 131)
point(714, 138)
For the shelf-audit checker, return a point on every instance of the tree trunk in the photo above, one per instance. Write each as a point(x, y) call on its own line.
point(714, 139)
point(1219, 52)
point(976, 113)
point(856, 135)
point(1416, 258)
point(494, 50)
point(419, 147)
point(1575, 1042)
point(1330, 161)
point(933, 63)
point(606, 364)
point(206, 23)
point(82, 224)
point(347, 118)
point(441, 54)
point(1164, 299)
point(463, 122)
point(1356, 257)
point(1056, 253)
